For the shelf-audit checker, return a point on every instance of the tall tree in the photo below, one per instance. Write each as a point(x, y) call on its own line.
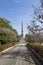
point(37, 23)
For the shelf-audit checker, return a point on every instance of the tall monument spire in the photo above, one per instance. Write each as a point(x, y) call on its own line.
point(22, 29)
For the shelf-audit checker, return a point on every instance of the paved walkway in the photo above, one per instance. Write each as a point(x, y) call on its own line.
point(19, 55)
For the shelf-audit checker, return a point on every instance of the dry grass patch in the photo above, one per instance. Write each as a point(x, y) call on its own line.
point(38, 48)
point(5, 46)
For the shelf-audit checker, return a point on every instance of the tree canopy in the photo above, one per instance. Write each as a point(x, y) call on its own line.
point(7, 33)
point(5, 23)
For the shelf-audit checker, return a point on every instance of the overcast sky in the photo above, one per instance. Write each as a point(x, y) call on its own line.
point(17, 11)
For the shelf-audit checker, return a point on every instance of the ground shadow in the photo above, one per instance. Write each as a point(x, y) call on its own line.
point(25, 55)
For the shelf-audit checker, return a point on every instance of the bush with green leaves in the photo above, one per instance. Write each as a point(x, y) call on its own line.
point(7, 33)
